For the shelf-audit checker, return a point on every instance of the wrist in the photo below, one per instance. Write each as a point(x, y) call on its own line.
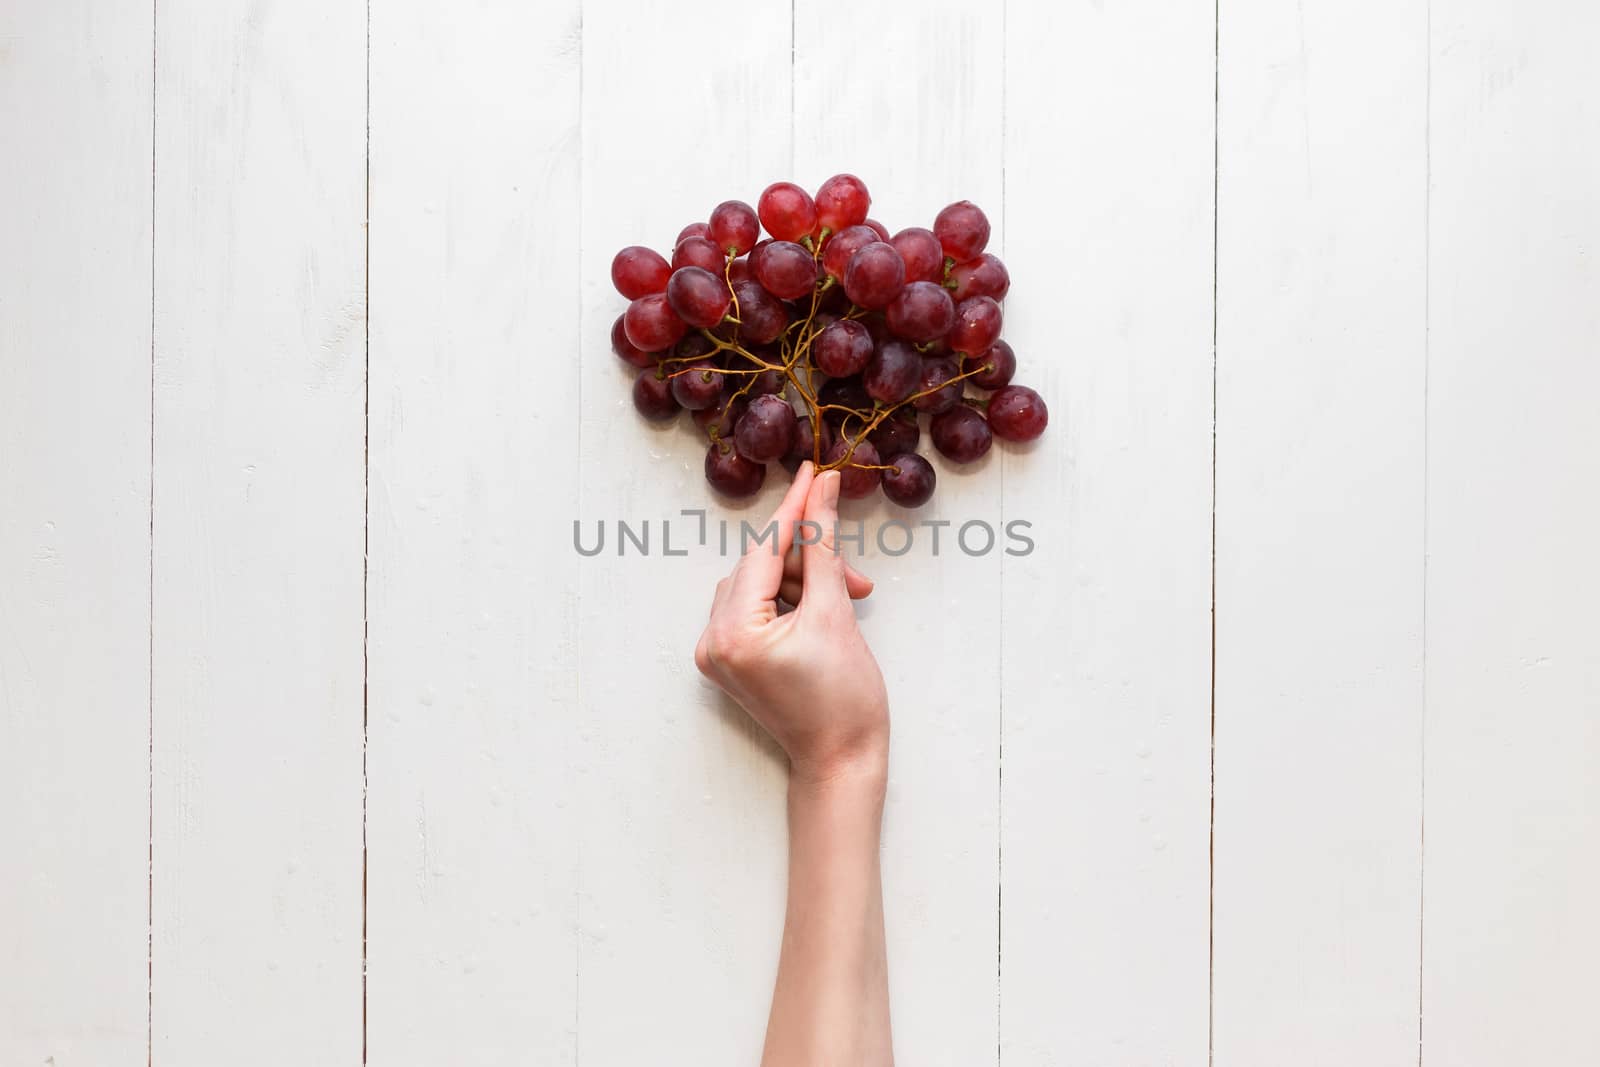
point(861, 770)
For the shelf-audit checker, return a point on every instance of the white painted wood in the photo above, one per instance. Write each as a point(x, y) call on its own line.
point(260, 314)
point(1106, 627)
point(1512, 852)
point(913, 106)
point(682, 846)
point(472, 683)
point(1319, 517)
point(74, 532)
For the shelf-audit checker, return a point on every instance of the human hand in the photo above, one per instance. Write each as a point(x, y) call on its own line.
point(807, 676)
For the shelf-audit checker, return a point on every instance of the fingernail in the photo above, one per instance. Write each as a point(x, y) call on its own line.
point(830, 488)
point(805, 468)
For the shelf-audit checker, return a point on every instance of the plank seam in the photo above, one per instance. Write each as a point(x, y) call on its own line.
point(150, 604)
point(1427, 344)
point(366, 500)
point(1211, 829)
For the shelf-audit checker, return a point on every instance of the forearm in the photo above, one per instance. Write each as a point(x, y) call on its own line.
point(831, 1002)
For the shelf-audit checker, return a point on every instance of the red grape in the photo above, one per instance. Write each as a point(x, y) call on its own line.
point(878, 228)
point(768, 381)
point(855, 479)
point(999, 364)
point(921, 312)
point(739, 271)
point(841, 396)
point(803, 446)
point(719, 419)
point(961, 434)
point(936, 374)
point(734, 227)
point(842, 245)
point(920, 249)
point(699, 252)
point(638, 271)
point(911, 480)
point(652, 395)
point(874, 275)
point(892, 373)
point(963, 230)
point(786, 270)
point(730, 473)
point(762, 316)
point(842, 201)
point(625, 349)
point(699, 297)
point(984, 276)
point(651, 324)
point(897, 433)
point(1017, 413)
point(697, 385)
point(787, 211)
point(694, 229)
point(842, 348)
point(977, 325)
point(766, 430)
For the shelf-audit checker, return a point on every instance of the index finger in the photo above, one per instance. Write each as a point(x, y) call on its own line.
point(760, 570)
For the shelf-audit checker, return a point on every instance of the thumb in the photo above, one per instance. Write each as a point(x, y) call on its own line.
point(823, 572)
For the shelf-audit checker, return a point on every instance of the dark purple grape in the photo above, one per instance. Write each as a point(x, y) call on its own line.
point(652, 394)
point(651, 324)
point(984, 276)
point(730, 473)
point(718, 420)
point(767, 429)
point(935, 374)
point(892, 373)
point(842, 396)
point(923, 257)
point(803, 446)
point(762, 316)
point(854, 480)
point(734, 227)
point(874, 275)
point(768, 381)
point(897, 433)
point(638, 271)
point(977, 325)
point(694, 229)
point(842, 348)
point(699, 252)
point(787, 211)
point(961, 434)
point(921, 312)
point(842, 202)
point(1017, 413)
point(844, 244)
point(963, 230)
point(697, 385)
point(786, 270)
point(999, 364)
point(699, 297)
point(911, 480)
point(625, 349)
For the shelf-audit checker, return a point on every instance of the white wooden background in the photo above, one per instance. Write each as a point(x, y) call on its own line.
point(320, 745)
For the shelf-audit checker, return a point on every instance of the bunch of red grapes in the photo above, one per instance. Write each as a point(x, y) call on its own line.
point(866, 331)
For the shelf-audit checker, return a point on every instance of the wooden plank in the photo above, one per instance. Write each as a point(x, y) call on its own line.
point(914, 107)
point(682, 851)
point(74, 531)
point(473, 691)
point(1106, 642)
point(1320, 362)
point(260, 315)
point(1513, 664)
